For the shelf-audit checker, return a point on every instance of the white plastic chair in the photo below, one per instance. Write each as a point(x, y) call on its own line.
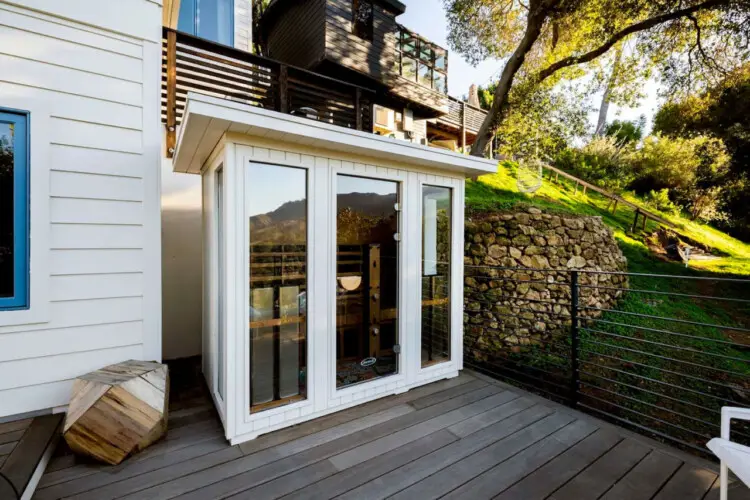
point(732, 455)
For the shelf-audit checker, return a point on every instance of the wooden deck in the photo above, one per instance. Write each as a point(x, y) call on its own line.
point(469, 437)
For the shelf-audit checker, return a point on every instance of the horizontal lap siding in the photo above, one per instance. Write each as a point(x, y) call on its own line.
point(92, 83)
point(298, 34)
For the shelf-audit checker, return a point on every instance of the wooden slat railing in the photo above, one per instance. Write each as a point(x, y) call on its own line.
point(191, 64)
point(614, 200)
point(463, 116)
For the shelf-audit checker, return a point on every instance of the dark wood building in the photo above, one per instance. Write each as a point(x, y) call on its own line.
point(361, 42)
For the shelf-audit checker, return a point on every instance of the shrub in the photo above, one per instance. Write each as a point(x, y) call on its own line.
point(602, 162)
point(661, 202)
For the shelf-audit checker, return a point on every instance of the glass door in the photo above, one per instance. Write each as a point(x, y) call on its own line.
point(277, 201)
point(367, 279)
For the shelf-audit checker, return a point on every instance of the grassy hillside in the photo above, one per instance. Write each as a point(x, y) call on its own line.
point(499, 191)
point(660, 356)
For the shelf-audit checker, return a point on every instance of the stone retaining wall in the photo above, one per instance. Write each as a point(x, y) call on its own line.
point(518, 271)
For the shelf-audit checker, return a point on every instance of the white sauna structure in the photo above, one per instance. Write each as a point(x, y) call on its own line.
point(333, 262)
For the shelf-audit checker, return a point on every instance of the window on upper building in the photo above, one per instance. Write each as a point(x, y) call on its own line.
point(362, 15)
point(422, 62)
point(14, 210)
point(209, 19)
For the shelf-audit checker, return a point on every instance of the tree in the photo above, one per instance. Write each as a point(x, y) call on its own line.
point(547, 40)
point(626, 132)
point(693, 170)
point(608, 90)
point(543, 124)
point(723, 112)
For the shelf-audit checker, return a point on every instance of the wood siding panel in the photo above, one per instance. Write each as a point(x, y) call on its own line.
point(90, 286)
point(48, 50)
point(85, 312)
point(377, 58)
point(94, 236)
point(298, 35)
point(71, 210)
point(87, 109)
point(26, 372)
point(66, 262)
point(89, 135)
point(71, 81)
point(88, 73)
point(67, 340)
point(78, 159)
point(96, 187)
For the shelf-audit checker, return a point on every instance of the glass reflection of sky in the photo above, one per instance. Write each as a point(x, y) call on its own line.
point(271, 186)
point(348, 184)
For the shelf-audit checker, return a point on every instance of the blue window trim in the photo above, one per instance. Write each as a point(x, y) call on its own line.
point(21, 148)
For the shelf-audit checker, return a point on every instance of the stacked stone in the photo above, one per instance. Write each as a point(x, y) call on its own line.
point(517, 276)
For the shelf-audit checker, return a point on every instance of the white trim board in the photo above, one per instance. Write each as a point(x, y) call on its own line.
point(207, 119)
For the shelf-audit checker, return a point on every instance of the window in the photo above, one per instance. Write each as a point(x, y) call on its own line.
point(209, 19)
point(436, 274)
point(362, 18)
point(14, 210)
point(277, 198)
point(423, 62)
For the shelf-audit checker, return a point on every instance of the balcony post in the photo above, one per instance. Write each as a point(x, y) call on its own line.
point(574, 340)
point(171, 92)
point(283, 105)
point(358, 108)
point(463, 126)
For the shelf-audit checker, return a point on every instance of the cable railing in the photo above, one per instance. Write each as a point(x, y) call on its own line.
point(659, 354)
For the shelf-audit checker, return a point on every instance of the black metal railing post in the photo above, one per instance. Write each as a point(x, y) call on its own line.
point(574, 371)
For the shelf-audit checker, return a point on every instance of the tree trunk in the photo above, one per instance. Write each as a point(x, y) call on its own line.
point(499, 105)
point(604, 109)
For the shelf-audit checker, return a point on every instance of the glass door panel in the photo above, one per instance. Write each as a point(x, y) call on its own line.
point(367, 279)
point(436, 274)
point(277, 199)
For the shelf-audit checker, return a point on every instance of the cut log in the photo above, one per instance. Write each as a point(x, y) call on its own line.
point(118, 410)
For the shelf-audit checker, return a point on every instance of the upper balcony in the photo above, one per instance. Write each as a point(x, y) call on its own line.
point(194, 64)
point(198, 65)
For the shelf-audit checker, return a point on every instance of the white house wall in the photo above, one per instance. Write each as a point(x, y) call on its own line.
point(181, 230)
point(89, 73)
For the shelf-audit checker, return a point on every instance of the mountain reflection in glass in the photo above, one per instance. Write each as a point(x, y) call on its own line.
point(277, 199)
point(366, 279)
point(436, 274)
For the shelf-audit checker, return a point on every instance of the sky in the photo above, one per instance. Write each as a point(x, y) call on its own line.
point(427, 18)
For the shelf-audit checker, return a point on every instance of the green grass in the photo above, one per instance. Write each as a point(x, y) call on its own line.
point(499, 192)
point(646, 367)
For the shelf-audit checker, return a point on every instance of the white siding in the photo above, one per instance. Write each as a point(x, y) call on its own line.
point(89, 71)
point(243, 24)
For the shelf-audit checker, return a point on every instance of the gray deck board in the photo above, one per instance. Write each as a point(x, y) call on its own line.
point(599, 477)
point(348, 479)
point(431, 417)
point(645, 479)
point(542, 482)
point(505, 474)
point(467, 437)
point(469, 468)
point(688, 483)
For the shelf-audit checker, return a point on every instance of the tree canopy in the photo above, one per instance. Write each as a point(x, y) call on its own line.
point(692, 43)
point(721, 112)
